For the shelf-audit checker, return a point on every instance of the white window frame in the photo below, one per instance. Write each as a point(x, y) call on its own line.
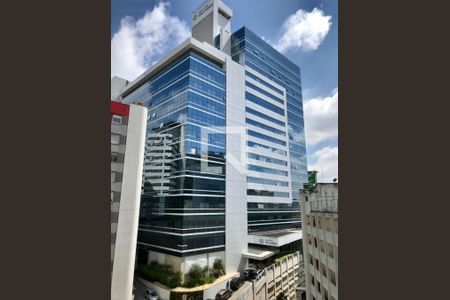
point(113, 141)
point(118, 117)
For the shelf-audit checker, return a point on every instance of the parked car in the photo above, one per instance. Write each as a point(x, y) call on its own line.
point(223, 294)
point(151, 294)
point(245, 274)
point(236, 283)
point(251, 274)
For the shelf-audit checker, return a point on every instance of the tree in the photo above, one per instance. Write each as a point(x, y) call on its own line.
point(196, 276)
point(218, 267)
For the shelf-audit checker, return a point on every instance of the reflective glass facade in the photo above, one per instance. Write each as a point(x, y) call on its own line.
point(250, 50)
point(183, 201)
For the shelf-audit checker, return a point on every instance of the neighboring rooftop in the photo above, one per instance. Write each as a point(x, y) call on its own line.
point(117, 86)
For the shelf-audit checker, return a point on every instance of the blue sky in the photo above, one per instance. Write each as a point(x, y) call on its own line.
point(306, 31)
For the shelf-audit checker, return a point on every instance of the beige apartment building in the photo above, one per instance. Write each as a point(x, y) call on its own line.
point(320, 241)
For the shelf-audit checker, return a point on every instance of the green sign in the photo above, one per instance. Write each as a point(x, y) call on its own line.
point(312, 180)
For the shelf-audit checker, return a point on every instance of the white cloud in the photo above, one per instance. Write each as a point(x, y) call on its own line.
point(326, 164)
point(321, 118)
point(304, 30)
point(140, 43)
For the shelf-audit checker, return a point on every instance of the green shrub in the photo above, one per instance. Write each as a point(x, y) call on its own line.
point(199, 276)
point(209, 279)
point(160, 273)
point(218, 264)
point(218, 268)
point(195, 272)
point(174, 280)
point(195, 296)
point(196, 276)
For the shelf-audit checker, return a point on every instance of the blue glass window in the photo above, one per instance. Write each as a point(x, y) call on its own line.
point(264, 103)
point(265, 137)
point(267, 159)
point(253, 192)
point(260, 180)
point(260, 146)
point(263, 126)
point(264, 83)
point(252, 86)
point(266, 117)
point(267, 170)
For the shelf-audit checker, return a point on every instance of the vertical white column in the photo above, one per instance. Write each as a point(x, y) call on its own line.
point(236, 181)
point(127, 227)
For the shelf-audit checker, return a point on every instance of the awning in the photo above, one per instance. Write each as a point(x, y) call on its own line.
point(275, 238)
point(257, 254)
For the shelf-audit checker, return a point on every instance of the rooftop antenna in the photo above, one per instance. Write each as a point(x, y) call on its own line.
point(321, 167)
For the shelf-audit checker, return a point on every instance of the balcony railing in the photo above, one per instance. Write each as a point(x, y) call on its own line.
point(327, 205)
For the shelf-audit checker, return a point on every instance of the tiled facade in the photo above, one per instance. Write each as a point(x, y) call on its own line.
point(320, 241)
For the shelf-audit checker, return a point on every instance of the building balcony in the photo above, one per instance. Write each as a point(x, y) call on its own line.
point(329, 205)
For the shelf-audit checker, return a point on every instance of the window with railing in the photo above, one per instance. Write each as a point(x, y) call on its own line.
point(325, 204)
point(322, 248)
point(332, 277)
point(324, 270)
point(330, 250)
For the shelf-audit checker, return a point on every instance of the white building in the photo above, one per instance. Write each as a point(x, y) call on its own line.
point(128, 124)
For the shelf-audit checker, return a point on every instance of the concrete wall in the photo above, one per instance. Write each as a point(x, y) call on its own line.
point(183, 264)
point(244, 293)
point(127, 225)
point(282, 277)
point(164, 294)
point(208, 22)
point(211, 292)
point(236, 183)
point(203, 31)
point(117, 85)
point(320, 228)
point(206, 259)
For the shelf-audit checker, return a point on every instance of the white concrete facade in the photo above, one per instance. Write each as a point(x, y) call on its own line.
point(117, 85)
point(211, 19)
point(235, 185)
point(261, 151)
point(127, 225)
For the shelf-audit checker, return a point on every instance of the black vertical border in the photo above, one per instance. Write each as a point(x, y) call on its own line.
point(393, 140)
point(55, 116)
point(393, 240)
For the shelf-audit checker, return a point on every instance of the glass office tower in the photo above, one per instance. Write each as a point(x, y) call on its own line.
point(225, 156)
point(184, 165)
point(250, 50)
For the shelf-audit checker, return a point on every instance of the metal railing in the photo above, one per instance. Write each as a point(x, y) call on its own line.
point(327, 205)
